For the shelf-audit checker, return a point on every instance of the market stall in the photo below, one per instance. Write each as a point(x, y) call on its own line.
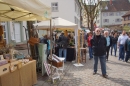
point(13, 70)
point(60, 24)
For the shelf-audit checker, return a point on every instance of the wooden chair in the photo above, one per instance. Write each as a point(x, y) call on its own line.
point(55, 74)
point(62, 59)
point(83, 54)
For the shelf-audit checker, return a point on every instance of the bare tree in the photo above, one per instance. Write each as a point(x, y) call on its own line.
point(92, 9)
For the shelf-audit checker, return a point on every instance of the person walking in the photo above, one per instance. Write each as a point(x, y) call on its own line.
point(89, 45)
point(127, 49)
point(121, 44)
point(109, 43)
point(114, 43)
point(98, 43)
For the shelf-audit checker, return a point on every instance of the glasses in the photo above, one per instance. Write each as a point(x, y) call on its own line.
point(98, 31)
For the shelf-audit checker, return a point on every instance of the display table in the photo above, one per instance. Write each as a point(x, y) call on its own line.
point(25, 76)
point(70, 53)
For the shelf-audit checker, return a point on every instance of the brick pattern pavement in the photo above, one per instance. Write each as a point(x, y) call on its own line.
point(118, 75)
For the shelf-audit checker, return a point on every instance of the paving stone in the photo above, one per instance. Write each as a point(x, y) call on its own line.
point(117, 71)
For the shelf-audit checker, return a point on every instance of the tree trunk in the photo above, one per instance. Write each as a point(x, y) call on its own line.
point(92, 25)
point(30, 34)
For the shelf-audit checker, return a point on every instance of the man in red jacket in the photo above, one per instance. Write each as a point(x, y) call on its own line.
point(89, 45)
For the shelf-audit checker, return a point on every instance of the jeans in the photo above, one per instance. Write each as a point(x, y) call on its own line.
point(121, 52)
point(64, 53)
point(115, 48)
point(90, 52)
point(102, 62)
point(127, 56)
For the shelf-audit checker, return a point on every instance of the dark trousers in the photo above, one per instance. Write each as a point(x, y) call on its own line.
point(127, 56)
point(115, 48)
point(121, 52)
point(107, 51)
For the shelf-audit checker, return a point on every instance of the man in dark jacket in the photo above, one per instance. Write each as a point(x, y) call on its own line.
point(62, 44)
point(114, 43)
point(98, 43)
point(127, 49)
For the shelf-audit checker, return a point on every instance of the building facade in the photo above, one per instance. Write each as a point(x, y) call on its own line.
point(126, 19)
point(14, 32)
point(111, 14)
point(66, 9)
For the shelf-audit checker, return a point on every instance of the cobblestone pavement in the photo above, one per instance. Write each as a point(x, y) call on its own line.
point(118, 75)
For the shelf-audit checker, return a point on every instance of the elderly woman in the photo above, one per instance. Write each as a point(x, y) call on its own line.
point(109, 43)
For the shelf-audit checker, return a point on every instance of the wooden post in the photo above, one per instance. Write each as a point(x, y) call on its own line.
point(78, 46)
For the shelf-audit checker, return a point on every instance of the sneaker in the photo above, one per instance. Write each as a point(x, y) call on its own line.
point(94, 73)
point(105, 76)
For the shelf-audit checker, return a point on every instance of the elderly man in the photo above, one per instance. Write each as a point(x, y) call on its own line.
point(121, 44)
point(109, 43)
point(98, 44)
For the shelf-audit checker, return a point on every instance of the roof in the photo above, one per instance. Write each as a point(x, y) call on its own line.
point(127, 14)
point(117, 5)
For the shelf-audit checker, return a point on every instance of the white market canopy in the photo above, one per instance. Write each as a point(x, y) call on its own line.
point(24, 10)
point(60, 23)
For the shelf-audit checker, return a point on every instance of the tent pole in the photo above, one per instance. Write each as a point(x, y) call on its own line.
point(51, 46)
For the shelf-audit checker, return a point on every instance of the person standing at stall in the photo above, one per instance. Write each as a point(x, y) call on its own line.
point(98, 43)
point(89, 45)
point(63, 44)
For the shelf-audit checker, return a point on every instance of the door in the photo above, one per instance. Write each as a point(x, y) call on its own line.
point(17, 32)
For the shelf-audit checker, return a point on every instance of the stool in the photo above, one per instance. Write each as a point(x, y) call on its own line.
point(83, 53)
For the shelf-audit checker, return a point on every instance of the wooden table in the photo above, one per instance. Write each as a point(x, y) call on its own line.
point(26, 76)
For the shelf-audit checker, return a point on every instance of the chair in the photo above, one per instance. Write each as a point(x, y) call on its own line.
point(83, 54)
point(55, 74)
point(62, 59)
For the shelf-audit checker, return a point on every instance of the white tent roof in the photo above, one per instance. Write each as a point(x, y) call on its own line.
point(35, 6)
point(57, 23)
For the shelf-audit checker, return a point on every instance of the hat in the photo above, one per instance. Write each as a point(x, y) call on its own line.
point(62, 32)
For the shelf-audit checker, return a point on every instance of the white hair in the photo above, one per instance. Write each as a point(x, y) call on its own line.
point(106, 32)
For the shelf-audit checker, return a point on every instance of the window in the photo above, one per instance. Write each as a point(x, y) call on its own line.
point(126, 18)
point(111, 14)
point(121, 13)
point(105, 14)
point(106, 20)
point(129, 17)
point(54, 6)
point(117, 20)
point(117, 14)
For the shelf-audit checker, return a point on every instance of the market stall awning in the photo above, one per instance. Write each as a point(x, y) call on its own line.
point(58, 23)
point(15, 10)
